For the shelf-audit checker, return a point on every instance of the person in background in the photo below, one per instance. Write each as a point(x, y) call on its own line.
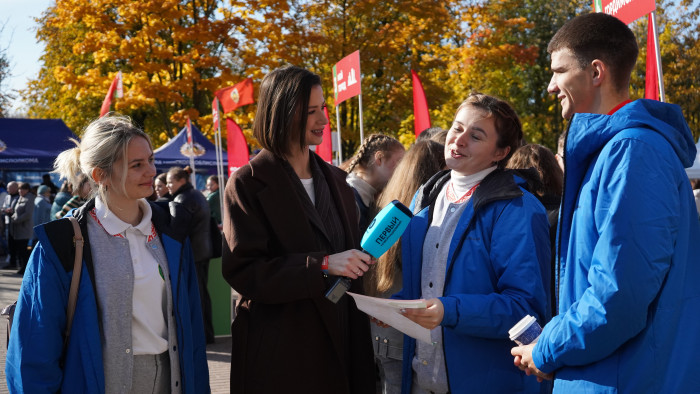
point(137, 326)
point(560, 151)
point(81, 192)
point(22, 224)
point(190, 215)
point(370, 170)
point(161, 187)
point(695, 184)
point(42, 208)
point(4, 251)
point(290, 224)
point(477, 251)
point(8, 208)
point(213, 198)
point(423, 160)
point(64, 194)
point(628, 232)
point(548, 192)
point(46, 181)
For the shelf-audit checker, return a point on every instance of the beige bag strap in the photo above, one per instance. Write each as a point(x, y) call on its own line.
point(78, 242)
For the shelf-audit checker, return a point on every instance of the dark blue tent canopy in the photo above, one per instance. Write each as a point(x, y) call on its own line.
point(32, 144)
point(171, 154)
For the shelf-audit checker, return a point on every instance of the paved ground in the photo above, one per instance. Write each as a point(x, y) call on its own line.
point(218, 354)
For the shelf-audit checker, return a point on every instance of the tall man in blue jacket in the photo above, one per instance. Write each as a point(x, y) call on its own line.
point(629, 239)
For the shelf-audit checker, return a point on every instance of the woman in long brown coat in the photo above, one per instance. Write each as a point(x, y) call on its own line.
point(291, 230)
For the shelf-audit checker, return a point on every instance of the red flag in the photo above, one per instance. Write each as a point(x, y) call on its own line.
point(325, 148)
point(236, 96)
point(189, 133)
point(237, 147)
point(651, 90)
point(627, 11)
point(346, 78)
point(421, 116)
point(114, 86)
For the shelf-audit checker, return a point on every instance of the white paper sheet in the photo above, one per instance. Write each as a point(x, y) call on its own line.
point(387, 311)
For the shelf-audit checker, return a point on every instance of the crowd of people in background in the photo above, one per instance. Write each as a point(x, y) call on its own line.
point(604, 258)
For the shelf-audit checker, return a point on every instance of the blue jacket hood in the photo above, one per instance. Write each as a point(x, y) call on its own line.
point(663, 118)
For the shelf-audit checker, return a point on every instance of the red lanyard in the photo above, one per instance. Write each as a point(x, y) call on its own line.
point(451, 197)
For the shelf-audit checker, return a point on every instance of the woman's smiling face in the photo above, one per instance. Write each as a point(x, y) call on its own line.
point(472, 142)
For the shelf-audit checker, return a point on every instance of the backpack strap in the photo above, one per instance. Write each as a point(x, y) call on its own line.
point(78, 243)
point(67, 241)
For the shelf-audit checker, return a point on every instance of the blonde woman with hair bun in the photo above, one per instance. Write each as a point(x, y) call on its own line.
point(137, 324)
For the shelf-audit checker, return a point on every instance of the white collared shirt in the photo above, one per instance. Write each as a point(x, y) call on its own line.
point(149, 330)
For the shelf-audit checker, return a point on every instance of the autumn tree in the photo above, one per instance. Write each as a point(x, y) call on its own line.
point(392, 36)
point(170, 52)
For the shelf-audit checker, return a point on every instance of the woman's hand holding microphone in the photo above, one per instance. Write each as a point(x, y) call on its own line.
point(350, 263)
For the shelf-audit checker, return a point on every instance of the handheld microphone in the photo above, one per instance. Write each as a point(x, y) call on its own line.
point(386, 228)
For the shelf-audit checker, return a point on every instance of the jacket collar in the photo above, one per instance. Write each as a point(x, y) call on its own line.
point(186, 187)
point(498, 185)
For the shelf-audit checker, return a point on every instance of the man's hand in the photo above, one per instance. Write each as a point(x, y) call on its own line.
point(429, 317)
point(523, 360)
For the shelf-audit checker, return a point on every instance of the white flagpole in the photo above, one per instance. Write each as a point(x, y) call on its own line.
point(340, 146)
point(220, 164)
point(659, 72)
point(362, 131)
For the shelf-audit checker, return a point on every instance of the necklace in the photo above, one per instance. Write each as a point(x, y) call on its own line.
point(452, 196)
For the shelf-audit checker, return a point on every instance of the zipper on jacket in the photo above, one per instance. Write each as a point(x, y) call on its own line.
point(557, 272)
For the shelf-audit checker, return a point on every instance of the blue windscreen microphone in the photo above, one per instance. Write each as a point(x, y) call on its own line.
point(386, 228)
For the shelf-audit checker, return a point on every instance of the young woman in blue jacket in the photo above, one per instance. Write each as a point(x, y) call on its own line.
point(137, 325)
point(477, 250)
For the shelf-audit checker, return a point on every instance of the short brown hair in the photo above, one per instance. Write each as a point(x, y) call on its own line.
point(508, 127)
point(283, 103)
point(599, 36)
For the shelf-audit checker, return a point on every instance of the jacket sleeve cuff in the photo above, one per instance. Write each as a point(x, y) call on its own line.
point(450, 315)
point(542, 361)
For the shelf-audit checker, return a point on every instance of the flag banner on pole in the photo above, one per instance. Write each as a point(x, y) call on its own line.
point(114, 87)
point(346, 77)
point(189, 133)
point(651, 89)
point(215, 113)
point(236, 96)
point(325, 149)
point(625, 10)
point(237, 147)
point(421, 115)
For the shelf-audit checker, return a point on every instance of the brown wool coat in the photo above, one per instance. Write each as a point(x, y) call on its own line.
point(287, 338)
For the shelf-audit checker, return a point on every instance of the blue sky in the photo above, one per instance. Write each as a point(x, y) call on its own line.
point(19, 39)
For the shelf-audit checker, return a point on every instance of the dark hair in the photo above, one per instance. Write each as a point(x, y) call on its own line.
point(25, 186)
point(508, 127)
point(423, 160)
point(364, 158)
point(599, 36)
point(543, 160)
point(283, 102)
point(428, 133)
point(162, 177)
point(180, 173)
point(214, 178)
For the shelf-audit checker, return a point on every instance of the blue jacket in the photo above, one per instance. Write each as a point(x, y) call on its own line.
point(36, 342)
point(629, 256)
point(497, 272)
